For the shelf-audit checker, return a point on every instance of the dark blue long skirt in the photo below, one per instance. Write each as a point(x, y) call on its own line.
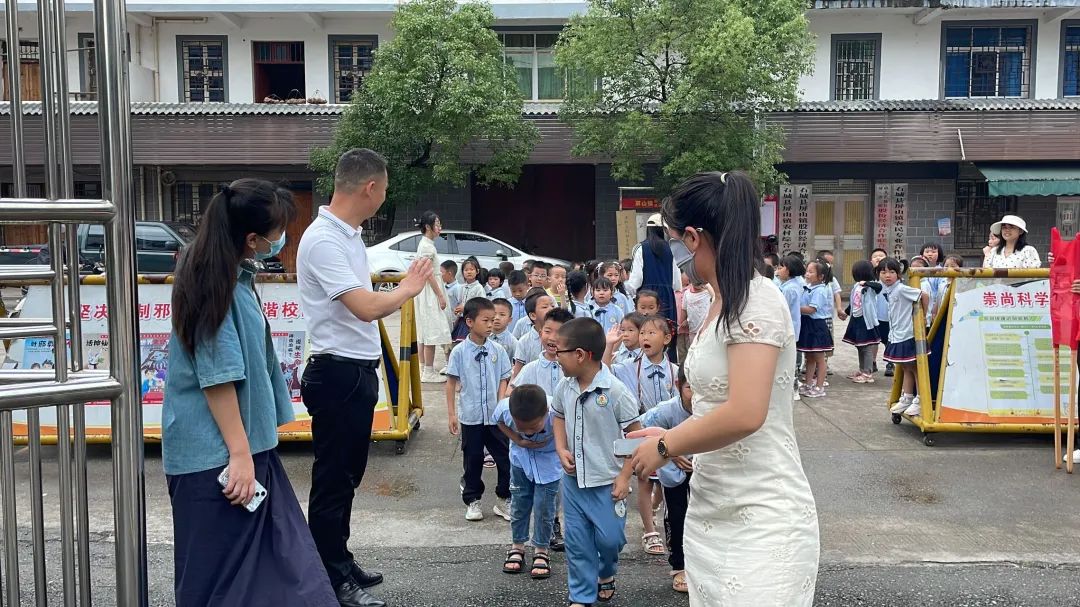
point(226, 556)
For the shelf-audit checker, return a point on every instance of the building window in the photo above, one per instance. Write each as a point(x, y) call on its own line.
point(203, 68)
point(975, 211)
point(87, 68)
point(532, 57)
point(190, 198)
point(29, 70)
point(856, 61)
point(1070, 59)
point(88, 189)
point(988, 60)
point(351, 58)
point(279, 72)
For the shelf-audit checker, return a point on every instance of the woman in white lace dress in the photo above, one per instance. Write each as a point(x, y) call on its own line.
point(432, 326)
point(751, 534)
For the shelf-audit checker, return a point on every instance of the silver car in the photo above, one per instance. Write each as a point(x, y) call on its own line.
point(394, 254)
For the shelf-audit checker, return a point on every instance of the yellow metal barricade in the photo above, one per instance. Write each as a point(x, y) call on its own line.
point(1007, 337)
point(397, 413)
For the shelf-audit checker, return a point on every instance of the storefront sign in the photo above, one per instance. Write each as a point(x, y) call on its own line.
point(787, 218)
point(640, 204)
point(882, 215)
point(899, 220)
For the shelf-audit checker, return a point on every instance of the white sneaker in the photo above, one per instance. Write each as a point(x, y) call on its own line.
point(442, 371)
point(914, 409)
point(502, 508)
point(431, 377)
point(474, 512)
point(1076, 457)
point(797, 396)
point(901, 405)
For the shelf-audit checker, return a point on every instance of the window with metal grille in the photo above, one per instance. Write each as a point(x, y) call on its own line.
point(190, 198)
point(351, 59)
point(1070, 60)
point(856, 60)
point(88, 65)
point(531, 56)
point(88, 189)
point(203, 68)
point(33, 190)
point(975, 211)
point(988, 60)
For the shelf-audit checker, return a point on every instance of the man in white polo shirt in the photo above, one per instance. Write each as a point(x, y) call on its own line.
point(340, 386)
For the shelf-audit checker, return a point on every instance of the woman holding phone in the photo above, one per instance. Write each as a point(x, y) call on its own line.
point(239, 539)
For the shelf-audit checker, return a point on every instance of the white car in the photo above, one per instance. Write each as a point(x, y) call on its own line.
point(394, 254)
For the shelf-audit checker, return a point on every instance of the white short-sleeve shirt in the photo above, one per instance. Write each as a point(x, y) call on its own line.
point(331, 261)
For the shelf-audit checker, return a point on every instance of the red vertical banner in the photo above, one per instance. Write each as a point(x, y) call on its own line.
point(1063, 303)
point(882, 215)
point(899, 220)
point(787, 218)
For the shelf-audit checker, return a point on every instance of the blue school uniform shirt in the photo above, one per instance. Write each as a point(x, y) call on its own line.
point(503, 291)
point(667, 414)
point(479, 369)
point(507, 340)
point(518, 306)
point(522, 326)
point(650, 383)
point(528, 347)
point(625, 355)
point(580, 309)
point(820, 296)
point(541, 465)
point(935, 287)
point(882, 304)
point(901, 296)
point(453, 295)
point(792, 292)
point(240, 352)
point(543, 372)
point(623, 301)
point(594, 419)
point(608, 316)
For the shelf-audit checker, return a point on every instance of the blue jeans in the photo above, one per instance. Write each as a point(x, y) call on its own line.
point(533, 499)
point(595, 535)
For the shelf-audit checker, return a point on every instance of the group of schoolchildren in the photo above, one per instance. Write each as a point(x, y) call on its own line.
point(880, 312)
point(557, 364)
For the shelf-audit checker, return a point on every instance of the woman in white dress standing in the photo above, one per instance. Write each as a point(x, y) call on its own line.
point(432, 326)
point(751, 534)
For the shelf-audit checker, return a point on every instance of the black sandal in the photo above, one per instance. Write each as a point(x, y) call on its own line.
point(510, 560)
point(545, 568)
point(605, 587)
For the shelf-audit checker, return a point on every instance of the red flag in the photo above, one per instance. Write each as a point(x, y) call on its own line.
point(1064, 304)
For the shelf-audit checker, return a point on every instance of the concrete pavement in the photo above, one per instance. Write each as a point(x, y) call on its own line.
point(975, 520)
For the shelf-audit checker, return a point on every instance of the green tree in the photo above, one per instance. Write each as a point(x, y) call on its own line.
point(439, 103)
point(684, 84)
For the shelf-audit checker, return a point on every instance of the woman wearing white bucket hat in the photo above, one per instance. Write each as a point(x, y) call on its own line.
point(1014, 251)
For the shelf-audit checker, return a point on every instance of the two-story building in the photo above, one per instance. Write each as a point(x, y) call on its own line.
point(922, 120)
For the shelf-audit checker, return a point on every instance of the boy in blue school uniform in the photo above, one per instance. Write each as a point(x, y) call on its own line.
point(674, 478)
point(519, 289)
point(528, 347)
point(481, 368)
point(526, 420)
point(592, 409)
point(500, 326)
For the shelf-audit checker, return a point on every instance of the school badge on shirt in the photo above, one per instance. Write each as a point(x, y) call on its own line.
point(601, 399)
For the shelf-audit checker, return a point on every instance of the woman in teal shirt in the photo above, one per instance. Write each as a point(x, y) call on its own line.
point(225, 396)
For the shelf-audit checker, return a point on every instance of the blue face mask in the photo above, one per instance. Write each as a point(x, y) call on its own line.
point(275, 248)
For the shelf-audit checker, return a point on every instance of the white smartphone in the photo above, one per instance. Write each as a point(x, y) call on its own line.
point(260, 491)
point(624, 447)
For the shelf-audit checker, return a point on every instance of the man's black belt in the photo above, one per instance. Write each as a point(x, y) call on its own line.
point(359, 362)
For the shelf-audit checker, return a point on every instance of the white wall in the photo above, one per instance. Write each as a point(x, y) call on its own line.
point(911, 54)
point(285, 28)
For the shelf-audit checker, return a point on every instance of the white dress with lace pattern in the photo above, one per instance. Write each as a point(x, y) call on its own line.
point(751, 529)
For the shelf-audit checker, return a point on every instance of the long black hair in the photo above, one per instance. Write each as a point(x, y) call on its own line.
point(426, 221)
point(206, 273)
point(724, 207)
point(654, 236)
point(1021, 242)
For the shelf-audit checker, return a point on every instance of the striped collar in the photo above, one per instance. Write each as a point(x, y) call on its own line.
point(346, 229)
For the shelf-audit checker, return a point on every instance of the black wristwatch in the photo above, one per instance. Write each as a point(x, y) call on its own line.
point(661, 448)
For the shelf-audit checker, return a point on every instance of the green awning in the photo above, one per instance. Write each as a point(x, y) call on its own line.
point(1032, 180)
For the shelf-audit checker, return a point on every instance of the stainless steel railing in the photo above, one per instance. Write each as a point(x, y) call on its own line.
point(69, 385)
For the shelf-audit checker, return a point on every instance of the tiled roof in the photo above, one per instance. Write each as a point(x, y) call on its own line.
point(550, 108)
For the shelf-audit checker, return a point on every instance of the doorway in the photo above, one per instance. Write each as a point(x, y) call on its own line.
point(551, 211)
point(29, 70)
point(840, 225)
point(278, 69)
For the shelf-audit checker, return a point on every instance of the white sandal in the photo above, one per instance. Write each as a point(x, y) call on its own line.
point(652, 544)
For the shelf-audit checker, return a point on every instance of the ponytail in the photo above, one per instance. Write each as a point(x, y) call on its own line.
point(206, 272)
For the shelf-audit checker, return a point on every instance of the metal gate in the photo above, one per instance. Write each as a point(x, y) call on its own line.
point(69, 384)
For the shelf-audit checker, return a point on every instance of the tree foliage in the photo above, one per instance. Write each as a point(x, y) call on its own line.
point(438, 104)
point(683, 84)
